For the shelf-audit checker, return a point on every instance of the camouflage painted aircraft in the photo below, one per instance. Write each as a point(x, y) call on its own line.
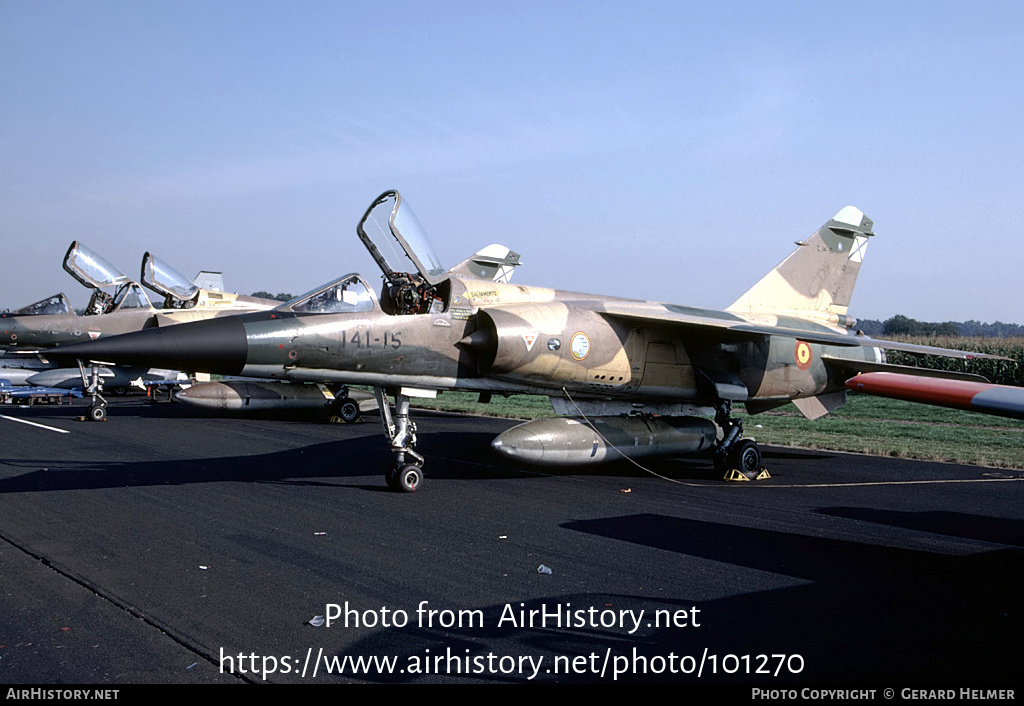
point(52, 315)
point(52, 321)
point(635, 378)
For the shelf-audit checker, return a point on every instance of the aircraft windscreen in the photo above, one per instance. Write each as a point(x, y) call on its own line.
point(131, 297)
point(90, 269)
point(161, 277)
point(57, 304)
point(392, 227)
point(345, 295)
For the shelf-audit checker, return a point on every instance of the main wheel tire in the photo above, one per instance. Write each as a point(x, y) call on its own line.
point(746, 457)
point(98, 414)
point(348, 410)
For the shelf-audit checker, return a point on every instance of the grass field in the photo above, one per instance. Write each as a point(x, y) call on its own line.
point(870, 425)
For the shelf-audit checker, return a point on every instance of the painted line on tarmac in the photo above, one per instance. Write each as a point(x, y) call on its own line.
point(35, 424)
point(936, 481)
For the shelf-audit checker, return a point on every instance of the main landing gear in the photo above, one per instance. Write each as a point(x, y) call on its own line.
point(348, 410)
point(345, 408)
point(407, 474)
point(736, 458)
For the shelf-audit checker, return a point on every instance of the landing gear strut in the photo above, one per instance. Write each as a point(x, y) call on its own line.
point(93, 385)
point(407, 473)
point(736, 458)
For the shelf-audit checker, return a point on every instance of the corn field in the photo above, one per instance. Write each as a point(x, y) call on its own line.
point(1002, 372)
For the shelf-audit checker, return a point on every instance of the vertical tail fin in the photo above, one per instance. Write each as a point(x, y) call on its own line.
point(213, 281)
point(817, 279)
point(494, 263)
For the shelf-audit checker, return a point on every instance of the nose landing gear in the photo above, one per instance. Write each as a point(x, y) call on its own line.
point(406, 475)
point(93, 384)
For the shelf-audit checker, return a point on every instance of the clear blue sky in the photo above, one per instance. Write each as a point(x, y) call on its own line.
point(669, 151)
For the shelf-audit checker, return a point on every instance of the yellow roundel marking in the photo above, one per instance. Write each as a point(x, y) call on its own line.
point(580, 345)
point(803, 355)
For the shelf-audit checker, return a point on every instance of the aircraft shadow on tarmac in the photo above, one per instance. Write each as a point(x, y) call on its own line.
point(997, 530)
point(868, 613)
point(309, 465)
point(862, 614)
point(857, 613)
point(318, 464)
point(450, 455)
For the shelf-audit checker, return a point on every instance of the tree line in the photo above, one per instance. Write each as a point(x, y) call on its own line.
point(280, 296)
point(901, 325)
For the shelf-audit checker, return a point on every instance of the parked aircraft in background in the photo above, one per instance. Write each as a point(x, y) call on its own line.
point(117, 305)
point(973, 396)
point(124, 308)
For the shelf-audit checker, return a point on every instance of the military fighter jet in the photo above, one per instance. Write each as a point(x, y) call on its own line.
point(48, 316)
point(52, 321)
point(495, 263)
point(633, 377)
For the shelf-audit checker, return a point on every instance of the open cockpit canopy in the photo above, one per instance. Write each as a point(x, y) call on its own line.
point(397, 241)
point(97, 274)
point(90, 269)
point(57, 304)
point(179, 291)
point(415, 281)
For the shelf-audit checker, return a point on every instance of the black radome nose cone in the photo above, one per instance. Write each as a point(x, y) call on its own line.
point(212, 346)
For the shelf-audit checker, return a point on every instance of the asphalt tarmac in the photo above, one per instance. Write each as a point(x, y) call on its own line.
point(163, 546)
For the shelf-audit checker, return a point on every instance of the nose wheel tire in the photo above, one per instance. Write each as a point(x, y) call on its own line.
point(405, 478)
